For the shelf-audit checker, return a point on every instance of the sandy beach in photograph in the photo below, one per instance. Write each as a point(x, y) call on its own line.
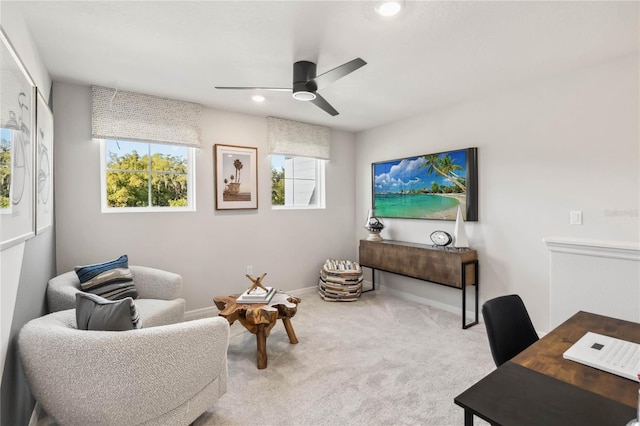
point(450, 214)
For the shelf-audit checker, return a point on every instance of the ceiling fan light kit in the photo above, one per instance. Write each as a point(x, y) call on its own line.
point(303, 95)
point(306, 82)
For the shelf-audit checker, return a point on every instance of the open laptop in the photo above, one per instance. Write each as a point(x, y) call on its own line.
point(608, 354)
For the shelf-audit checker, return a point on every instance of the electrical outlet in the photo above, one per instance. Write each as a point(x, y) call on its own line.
point(575, 217)
point(249, 270)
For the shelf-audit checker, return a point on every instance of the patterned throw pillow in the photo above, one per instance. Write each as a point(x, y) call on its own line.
point(111, 280)
point(97, 313)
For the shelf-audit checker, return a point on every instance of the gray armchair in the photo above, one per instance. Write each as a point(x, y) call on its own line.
point(159, 294)
point(164, 375)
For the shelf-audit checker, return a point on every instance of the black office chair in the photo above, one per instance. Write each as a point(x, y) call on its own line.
point(509, 327)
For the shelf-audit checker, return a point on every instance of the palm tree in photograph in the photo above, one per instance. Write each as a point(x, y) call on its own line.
point(238, 165)
point(444, 166)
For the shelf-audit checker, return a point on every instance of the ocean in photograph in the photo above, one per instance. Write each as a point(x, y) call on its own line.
point(415, 205)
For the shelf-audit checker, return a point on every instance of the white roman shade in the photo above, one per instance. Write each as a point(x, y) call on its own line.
point(118, 114)
point(298, 139)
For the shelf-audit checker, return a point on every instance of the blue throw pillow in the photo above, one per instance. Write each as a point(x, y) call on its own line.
point(111, 280)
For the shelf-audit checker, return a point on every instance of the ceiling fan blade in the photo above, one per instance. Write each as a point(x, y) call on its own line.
point(330, 76)
point(322, 103)
point(276, 89)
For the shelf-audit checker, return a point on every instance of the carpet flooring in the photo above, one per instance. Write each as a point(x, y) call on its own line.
point(380, 360)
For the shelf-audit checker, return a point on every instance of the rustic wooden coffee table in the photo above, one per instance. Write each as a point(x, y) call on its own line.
point(259, 318)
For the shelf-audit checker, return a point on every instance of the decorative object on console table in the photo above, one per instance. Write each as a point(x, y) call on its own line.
point(452, 268)
point(460, 240)
point(374, 225)
point(440, 238)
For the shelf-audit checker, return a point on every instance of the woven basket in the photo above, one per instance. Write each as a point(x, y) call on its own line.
point(340, 280)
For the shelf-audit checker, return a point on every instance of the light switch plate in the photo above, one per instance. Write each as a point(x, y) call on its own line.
point(575, 217)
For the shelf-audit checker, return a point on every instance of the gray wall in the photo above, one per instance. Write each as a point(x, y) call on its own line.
point(569, 142)
point(24, 291)
point(210, 249)
point(37, 268)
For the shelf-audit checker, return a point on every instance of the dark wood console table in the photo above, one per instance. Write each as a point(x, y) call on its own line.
point(446, 266)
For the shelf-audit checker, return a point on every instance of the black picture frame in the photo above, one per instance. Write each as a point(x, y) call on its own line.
point(429, 186)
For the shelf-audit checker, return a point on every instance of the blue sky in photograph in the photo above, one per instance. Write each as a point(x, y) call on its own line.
point(406, 174)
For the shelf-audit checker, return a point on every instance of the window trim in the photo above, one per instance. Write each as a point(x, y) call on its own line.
point(191, 188)
point(320, 182)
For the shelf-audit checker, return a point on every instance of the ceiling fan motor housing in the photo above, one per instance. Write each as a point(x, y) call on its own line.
point(304, 87)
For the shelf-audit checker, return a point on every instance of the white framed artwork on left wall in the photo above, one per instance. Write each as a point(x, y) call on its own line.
point(44, 165)
point(17, 140)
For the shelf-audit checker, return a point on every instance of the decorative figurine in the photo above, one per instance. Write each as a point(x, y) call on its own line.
point(374, 225)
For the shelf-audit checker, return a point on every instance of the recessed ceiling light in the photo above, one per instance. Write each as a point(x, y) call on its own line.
point(388, 8)
point(257, 98)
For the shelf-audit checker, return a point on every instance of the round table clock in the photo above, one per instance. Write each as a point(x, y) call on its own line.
point(441, 238)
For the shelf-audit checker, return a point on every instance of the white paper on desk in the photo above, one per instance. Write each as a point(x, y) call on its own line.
point(608, 354)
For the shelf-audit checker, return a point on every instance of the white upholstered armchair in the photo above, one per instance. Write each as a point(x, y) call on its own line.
point(163, 375)
point(159, 294)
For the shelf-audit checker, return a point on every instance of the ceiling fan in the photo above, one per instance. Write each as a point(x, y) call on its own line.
point(306, 83)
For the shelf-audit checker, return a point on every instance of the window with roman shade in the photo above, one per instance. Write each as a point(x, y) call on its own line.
point(297, 139)
point(298, 155)
point(118, 114)
point(147, 151)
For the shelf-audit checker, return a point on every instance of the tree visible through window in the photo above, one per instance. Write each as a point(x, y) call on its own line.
point(145, 175)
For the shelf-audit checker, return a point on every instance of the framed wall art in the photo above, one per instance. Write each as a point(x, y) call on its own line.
point(236, 177)
point(429, 186)
point(17, 140)
point(44, 165)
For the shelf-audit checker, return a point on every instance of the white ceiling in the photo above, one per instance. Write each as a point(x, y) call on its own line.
point(432, 55)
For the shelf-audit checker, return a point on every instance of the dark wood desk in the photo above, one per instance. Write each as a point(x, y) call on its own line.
point(540, 387)
point(545, 356)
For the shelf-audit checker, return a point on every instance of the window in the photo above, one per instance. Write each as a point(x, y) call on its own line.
point(141, 176)
point(297, 182)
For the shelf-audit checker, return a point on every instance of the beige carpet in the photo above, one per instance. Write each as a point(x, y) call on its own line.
point(378, 361)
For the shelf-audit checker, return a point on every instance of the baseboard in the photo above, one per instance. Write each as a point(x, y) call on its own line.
point(426, 301)
point(208, 312)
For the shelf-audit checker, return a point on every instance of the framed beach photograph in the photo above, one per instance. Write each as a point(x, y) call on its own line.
point(236, 177)
point(44, 165)
point(429, 186)
point(17, 140)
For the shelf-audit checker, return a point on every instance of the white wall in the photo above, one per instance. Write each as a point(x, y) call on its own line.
point(602, 277)
point(209, 248)
point(566, 143)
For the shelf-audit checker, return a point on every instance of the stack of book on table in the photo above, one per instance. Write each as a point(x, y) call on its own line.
point(257, 295)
